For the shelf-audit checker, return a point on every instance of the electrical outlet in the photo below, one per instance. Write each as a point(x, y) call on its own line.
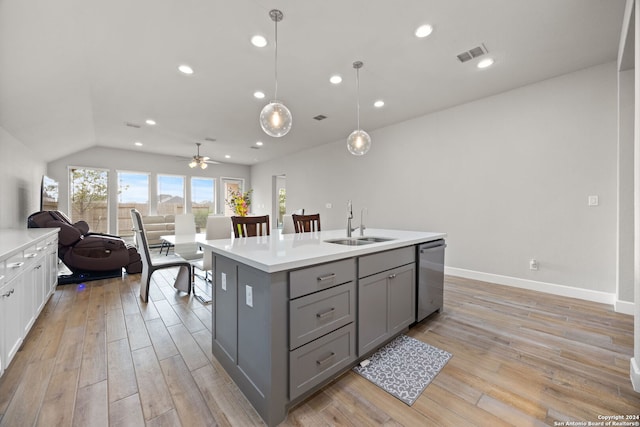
point(249, 295)
point(328, 206)
point(223, 281)
point(593, 201)
point(533, 264)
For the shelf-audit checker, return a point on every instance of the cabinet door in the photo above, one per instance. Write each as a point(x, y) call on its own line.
point(225, 317)
point(372, 312)
point(10, 307)
point(401, 296)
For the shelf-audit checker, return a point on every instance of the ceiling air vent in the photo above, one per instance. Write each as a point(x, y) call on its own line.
point(320, 117)
point(472, 53)
point(132, 125)
point(253, 147)
point(210, 139)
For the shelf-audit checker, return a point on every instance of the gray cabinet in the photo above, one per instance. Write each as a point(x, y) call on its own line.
point(226, 308)
point(322, 335)
point(386, 296)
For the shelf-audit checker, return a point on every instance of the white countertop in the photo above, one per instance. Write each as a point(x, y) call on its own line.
point(280, 252)
point(14, 240)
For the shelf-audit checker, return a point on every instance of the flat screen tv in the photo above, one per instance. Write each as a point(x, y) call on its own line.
point(49, 194)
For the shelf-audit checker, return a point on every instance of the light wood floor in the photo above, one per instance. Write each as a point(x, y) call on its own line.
point(99, 356)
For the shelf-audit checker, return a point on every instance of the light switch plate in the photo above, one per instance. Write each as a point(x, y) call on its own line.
point(223, 281)
point(249, 297)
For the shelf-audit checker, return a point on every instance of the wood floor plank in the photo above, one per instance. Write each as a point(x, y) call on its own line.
point(188, 347)
point(153, 390)
point(92, 406)
point(189, 403)
point(126, 412)
point(121, 373)
point(29, 394)
point(136, 331)
point(162, 342)
point(59, 400)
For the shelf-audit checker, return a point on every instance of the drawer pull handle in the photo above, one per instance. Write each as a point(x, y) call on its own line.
point(326, 359)
point(392, 276)
point(15, 264)
point(326, 277)
point(8, 294)
point(326, 313)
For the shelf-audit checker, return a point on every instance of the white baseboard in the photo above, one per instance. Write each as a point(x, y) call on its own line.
point(550, 288)
point(635, 374)
point(624, 307)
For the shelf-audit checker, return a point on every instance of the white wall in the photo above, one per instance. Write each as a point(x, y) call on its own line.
point(507, 177)
point(133, 161)
point(20, 178)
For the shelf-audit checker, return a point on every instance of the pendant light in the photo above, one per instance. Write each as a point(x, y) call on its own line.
point(275, 117)
point(359, 141)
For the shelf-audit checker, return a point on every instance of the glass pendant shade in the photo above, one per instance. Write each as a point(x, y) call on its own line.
point(359, 142)
point(275, 119)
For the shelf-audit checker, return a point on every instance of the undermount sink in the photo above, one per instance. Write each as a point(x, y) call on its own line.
point(358, 241)
point(375, 239)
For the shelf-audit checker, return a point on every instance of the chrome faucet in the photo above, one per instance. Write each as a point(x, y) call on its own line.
point(362, 226)
point(349, 218)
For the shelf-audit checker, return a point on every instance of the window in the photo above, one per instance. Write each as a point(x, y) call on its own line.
point(170, 194)
point(203, 199)
point(133, 192)
point(89, 199)
point(231, 184)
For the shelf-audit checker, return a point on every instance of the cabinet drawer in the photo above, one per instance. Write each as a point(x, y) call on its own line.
point(319, 277)
point(319, 360)
point(382, 261)
point(314, 315)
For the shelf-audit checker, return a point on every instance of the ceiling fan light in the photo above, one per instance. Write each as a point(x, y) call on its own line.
point(275, 119)
point(203, 165)
point(193, 164)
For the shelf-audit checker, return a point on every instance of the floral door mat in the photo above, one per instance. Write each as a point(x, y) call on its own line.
point(404, 367)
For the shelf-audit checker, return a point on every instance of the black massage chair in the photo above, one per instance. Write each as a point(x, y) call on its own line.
point(89, 256)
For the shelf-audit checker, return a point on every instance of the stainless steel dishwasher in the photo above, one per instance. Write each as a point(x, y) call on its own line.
point(430, 278)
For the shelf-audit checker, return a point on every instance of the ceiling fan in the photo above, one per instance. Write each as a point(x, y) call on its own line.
point(201, 161)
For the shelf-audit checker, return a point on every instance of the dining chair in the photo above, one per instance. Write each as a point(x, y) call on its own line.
point(218, 227)
point(249, 226)
point(149, 266)
point(306, 223)
point(185, 235)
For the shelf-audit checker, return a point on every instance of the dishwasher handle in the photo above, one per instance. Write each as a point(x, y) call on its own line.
point(437, 244)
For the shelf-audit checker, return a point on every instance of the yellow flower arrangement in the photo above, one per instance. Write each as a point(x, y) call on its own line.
point(239, 202)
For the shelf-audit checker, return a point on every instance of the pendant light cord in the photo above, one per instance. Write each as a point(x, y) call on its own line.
point(276, 62)
point(358, 95)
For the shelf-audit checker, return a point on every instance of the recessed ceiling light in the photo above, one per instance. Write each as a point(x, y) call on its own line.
point(335, 79)
point(258, 94)
point(258, 41)
point(487, 62)
point(259, 143)
point(150, 122)
point(379, 103)
point(185, 69)
point(226, 156)
point(424, 30)
point(138, 144)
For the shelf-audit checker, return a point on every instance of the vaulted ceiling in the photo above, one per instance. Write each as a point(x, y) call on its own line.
point(81, 73)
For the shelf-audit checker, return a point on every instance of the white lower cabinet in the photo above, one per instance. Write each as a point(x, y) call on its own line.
point(12, 330)
point(28, 277)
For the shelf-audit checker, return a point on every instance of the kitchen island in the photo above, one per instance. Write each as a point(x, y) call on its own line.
point(293, 311)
